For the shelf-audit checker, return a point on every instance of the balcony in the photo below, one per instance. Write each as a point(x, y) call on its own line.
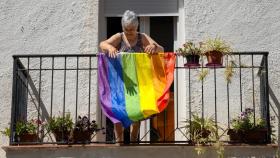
point(45, 86)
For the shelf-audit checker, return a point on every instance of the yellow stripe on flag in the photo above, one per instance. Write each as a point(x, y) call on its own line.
point(148, 104)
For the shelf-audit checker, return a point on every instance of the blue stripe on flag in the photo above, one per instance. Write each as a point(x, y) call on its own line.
point(117, 91)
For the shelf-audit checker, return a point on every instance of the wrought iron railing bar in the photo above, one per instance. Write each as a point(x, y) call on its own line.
point(190, 106)
point(177, 97)
point(202, 97)
point(253, 85)
point(27, 89)
point(249, 53)
point(77, 89)
point(52, 76)
point(215, 93)
point(228, 99)
point(89, 89)
point(164, 125)
point(64, 91)
point(14, 101)
point(64, 86)
point(240, 83)
point(39, 105)
point(267, 98)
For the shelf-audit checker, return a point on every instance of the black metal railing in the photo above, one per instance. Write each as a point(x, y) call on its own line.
point(51, 85)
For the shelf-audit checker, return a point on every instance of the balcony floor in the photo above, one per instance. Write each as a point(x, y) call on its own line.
point(142, 151)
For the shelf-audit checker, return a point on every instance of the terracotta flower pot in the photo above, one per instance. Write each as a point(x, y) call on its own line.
point(214, 58)
point(192, 61)
point(26, 137)
point(256, 136)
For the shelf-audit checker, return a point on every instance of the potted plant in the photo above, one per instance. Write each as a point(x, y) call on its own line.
point(215, 49)
point(246, 129)
point(201, 129)
point(191, 52)
point(83, 130)
point(25, 131)
point(61, 127)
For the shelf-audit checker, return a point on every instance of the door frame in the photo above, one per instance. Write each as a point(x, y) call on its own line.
point(179, 38)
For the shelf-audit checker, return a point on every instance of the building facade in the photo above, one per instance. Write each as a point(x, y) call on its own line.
point(77, 27)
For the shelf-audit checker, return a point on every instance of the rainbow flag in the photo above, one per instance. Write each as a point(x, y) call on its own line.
point(134, 86)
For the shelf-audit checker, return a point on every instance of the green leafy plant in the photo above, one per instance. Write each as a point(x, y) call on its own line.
point(246, 128)
point(229, 71)
point(246, 121)
point(216, 44)
point(61, 123)
point(190, 48)
point(24, 127)
point(25, 131)
point(203, 73)
point(6, 132)
point(204, 131)
point(61, 127)
point(201, 129)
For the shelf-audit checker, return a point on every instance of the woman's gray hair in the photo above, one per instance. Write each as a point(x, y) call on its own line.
point(129, 18)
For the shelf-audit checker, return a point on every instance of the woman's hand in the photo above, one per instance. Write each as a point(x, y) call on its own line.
point(151, 48)
point(112, 51)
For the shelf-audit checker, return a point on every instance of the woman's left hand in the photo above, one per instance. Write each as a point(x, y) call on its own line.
point(151, 48)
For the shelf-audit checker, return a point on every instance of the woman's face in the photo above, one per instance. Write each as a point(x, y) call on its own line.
point(130, 31)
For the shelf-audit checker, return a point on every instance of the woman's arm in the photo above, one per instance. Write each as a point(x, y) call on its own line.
point(110, 45)
point(150, 46)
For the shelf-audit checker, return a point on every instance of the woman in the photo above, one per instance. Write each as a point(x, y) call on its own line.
point(129, 41)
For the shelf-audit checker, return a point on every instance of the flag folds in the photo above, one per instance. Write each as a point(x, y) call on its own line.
point(134, 86)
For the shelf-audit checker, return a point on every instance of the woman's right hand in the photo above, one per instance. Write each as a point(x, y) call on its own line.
point(112, 51)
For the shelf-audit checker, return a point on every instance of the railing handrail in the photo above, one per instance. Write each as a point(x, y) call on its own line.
point(52, 55)
point(94, 55)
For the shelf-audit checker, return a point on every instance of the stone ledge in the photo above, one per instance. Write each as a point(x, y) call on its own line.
point(117, 151)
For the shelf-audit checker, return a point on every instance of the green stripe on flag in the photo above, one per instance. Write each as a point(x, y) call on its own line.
point(131, 88)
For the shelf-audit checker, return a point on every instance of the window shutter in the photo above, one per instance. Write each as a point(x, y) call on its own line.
point(114, 8)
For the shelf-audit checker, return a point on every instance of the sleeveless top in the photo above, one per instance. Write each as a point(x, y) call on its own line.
point(138, 47)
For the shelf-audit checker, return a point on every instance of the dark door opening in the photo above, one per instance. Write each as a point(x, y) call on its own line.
point(162, 126)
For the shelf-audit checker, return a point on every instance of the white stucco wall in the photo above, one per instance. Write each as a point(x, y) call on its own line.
point(69, 26)
point(251, 25)
point(45, 27)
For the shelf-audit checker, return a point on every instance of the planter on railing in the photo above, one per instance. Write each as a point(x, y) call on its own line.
point(192, 61)
point(214, 58)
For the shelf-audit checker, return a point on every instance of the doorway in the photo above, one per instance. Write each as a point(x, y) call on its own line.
point(161, 29)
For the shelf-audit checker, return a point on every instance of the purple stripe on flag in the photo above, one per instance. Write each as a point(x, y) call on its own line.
point(104, 88)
